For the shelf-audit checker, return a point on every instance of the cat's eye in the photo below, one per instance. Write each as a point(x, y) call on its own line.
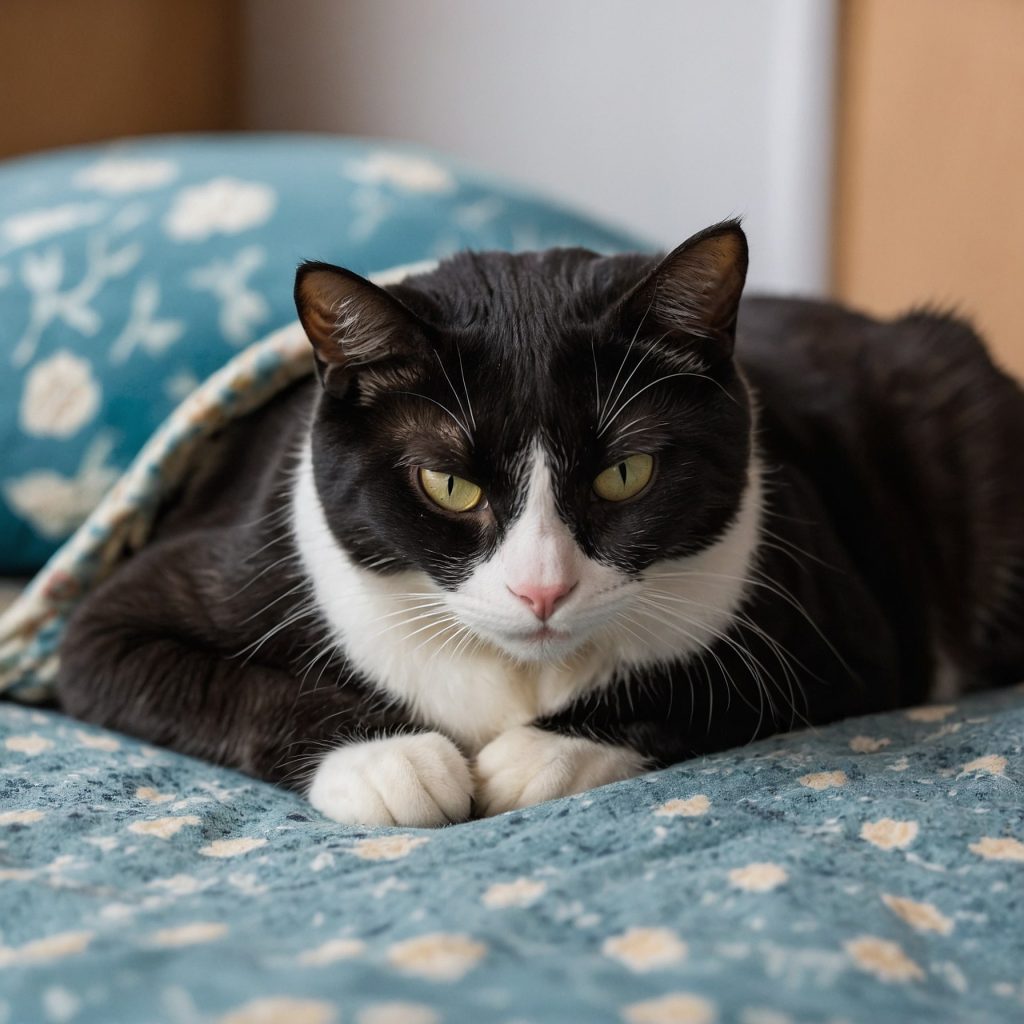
point(625, 478)
point(451, 492)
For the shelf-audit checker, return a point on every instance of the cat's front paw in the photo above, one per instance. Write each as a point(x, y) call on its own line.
point(419, 780)
point(527, 765)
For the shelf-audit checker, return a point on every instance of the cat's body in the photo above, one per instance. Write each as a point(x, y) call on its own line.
point(307, 613)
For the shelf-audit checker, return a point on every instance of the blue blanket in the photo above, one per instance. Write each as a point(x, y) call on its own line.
point(871, 871)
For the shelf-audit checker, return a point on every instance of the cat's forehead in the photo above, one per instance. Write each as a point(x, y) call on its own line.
point(476, 290)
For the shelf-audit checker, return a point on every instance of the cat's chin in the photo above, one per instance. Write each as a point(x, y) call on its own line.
point(540, 646)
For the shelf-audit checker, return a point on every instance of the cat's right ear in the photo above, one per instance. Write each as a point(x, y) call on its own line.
point(354, 326)
point(692, 297)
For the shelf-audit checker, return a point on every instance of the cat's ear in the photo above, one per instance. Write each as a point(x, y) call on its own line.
point(696, 288)
point(354, 326)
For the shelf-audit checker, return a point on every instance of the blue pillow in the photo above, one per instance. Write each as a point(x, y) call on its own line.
point(130, 272)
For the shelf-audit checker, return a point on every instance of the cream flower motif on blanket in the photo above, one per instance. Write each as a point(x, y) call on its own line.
point(888, 834)
point(437, 957)
point(761, 877)
point(94, 741)
point(996, 848)
point(178, 885)
point(61, 395)
point(232, 847)
point(931, 712)
point(281, 1010)
point(53, 947)
point(191, 934)
point(152, 796)
point(645, 949)
point(222, 206)
point(884, 959)
point(923, 917)
point(30, 746)
point(692, 807)
point(163, 828)
point(675, 1008)
point(119, 175)
point(520, 893)
point(990, 764)
point(386, 847)
point(868, 744)
point(56, 505)
point(406, 171)
point(331, 952)
point(823, 780)
point(21, 817)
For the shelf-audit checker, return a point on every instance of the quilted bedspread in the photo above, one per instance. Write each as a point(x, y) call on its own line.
point(872, 871)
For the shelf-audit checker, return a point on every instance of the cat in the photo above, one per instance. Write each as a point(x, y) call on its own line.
point(546, 521)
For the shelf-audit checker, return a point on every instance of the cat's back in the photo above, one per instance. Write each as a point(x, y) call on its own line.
point(911, 436)
point(827, 356)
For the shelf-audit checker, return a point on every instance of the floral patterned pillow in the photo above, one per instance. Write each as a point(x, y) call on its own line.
point(130, 272)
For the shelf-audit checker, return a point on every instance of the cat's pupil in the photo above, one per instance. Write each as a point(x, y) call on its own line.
point(451, 485)
point(622, 472)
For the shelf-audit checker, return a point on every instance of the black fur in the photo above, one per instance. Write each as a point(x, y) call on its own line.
point(894, 524)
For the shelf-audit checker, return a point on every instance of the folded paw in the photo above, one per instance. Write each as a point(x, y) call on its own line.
point(419, 780)
point(527, 765)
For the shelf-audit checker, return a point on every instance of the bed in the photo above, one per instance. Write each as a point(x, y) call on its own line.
point(872, 870)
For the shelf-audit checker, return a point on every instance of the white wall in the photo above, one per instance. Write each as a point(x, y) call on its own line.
point(660, 115)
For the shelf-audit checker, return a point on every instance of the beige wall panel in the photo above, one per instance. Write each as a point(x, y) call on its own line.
point(80, 70)
point(930, 199)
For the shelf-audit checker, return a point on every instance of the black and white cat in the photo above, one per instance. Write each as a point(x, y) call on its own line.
point(547, 521)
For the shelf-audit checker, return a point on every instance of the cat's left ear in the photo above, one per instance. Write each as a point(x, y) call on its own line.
point(696, 289)
point(356, 328)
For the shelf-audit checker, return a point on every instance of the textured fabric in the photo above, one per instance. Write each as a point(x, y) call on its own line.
point(32, 627)
point(869, 872)
point(128, 273)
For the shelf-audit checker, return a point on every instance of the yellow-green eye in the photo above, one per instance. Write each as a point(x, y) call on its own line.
point(625, 478)
point(449, 491)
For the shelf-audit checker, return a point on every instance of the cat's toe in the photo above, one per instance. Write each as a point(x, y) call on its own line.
point(527, 765)
point(419, 780)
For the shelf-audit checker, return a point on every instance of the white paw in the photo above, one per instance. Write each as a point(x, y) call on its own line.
point(527, 765)
point(419, 780)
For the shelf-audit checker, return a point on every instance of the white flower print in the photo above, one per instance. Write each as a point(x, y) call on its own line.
point(55, 505)
point(143, 330)
point(241, 308)
point(61, 395)
point(34, 225)
point(406, 171)
point(223, 206)
point(118, 175)
point(42, 273)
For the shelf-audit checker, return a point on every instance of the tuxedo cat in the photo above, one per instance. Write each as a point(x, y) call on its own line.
point(546, 521)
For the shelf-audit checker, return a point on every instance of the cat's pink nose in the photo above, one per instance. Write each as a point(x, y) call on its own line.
point(542, 601)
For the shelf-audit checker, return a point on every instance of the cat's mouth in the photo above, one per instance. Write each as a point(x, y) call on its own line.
point(546, 633)
point(543, 643)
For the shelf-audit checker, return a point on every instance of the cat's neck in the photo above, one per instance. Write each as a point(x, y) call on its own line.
point(390, 628)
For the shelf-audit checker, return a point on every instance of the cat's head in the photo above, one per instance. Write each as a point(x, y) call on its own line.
point(536, 434)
